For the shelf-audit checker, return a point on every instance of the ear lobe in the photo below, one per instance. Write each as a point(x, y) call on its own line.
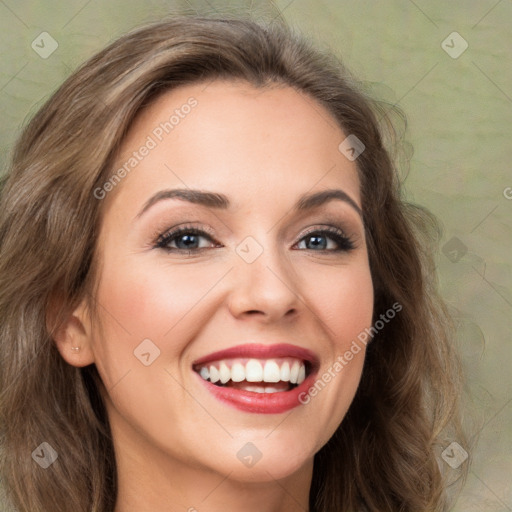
point(71, 334)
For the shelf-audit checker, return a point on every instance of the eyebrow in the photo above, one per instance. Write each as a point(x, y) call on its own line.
point(220, 201)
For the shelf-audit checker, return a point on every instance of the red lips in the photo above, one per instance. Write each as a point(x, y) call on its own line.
point(263, 403)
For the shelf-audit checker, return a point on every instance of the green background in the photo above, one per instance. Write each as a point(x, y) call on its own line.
point(459, 114)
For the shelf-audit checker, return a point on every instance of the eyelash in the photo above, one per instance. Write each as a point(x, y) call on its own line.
point(345, 244)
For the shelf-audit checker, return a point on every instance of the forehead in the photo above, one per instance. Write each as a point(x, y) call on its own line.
point(230, 136)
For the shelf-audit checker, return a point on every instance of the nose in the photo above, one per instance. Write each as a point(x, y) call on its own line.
point(266, 288)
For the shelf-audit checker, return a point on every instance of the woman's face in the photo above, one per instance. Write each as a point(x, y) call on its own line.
point(253, 292)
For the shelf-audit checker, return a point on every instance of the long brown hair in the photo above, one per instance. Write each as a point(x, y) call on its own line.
point(385, 455)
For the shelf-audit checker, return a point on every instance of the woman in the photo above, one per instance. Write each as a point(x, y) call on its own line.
point(297, 358)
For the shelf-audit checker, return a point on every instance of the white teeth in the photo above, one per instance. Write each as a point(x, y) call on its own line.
point(253, 371)
point(294, 372)
point(271, 372)
point(302, 374)
point(225, 373)
point(237, 372)
point(214, 374)
point(285, 372)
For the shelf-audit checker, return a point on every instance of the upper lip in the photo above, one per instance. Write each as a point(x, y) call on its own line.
point(261, 351)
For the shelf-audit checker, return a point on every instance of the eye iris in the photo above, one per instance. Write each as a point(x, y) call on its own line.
point(316, 243)
point(188, 238)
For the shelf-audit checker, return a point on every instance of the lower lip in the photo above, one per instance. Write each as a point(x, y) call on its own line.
point(262, 403)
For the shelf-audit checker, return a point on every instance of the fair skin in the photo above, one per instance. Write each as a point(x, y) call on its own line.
point(176, 442)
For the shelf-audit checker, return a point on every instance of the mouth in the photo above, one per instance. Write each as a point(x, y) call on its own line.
point(259, 378)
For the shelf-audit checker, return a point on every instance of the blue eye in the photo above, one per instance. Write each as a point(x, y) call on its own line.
point(186, 239)
point(185, 236)
point(343, 242)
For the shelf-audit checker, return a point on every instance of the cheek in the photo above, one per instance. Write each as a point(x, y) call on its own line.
point(155, 300)
point(345, 301)
point(345, 308)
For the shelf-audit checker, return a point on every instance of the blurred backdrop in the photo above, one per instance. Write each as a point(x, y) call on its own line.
point(448, 66)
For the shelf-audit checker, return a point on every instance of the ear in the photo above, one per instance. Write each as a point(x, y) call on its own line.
point(72, 333)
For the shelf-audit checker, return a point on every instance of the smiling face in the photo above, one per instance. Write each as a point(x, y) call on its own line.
point(260, 284)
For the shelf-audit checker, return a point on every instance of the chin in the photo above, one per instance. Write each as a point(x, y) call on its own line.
point(264, 458)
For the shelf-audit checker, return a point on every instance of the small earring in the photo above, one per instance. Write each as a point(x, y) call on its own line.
point(75, 349)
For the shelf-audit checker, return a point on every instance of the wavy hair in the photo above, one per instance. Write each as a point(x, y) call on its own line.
point(385, 454)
